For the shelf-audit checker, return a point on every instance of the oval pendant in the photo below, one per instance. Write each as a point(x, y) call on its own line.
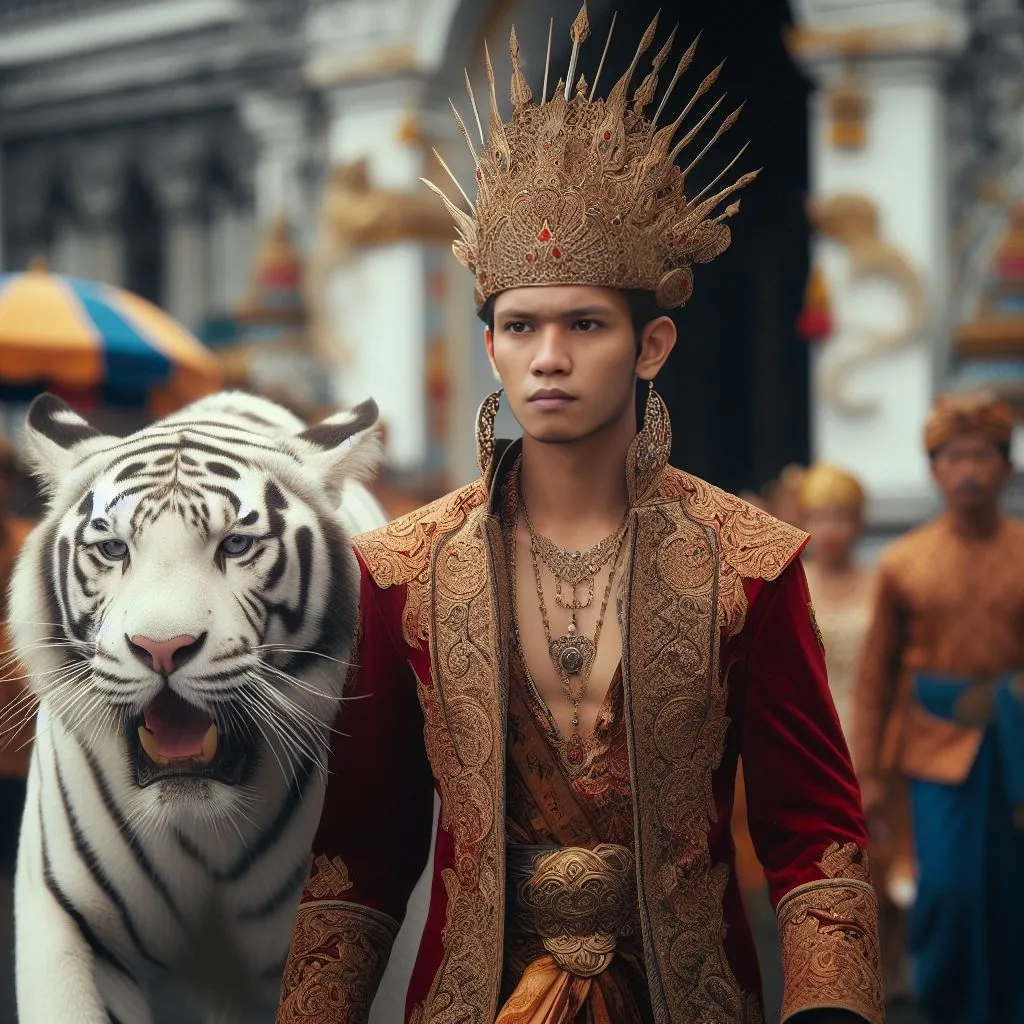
point(572, 660)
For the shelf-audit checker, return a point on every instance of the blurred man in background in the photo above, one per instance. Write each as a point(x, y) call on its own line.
point(935, 704)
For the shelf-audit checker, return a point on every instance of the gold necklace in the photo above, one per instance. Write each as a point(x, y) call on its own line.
point(574, 653)
point(572, 568)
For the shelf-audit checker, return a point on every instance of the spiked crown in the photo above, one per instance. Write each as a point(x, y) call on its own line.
point(579, 190)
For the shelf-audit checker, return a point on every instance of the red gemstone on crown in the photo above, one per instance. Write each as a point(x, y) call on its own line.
point(607, 136)
point(547, 145)
point(556, 252)
point(544, 235)
point(479, 175)
point(530, 257)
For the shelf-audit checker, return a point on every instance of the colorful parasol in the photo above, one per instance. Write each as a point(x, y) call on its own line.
point(93, 343)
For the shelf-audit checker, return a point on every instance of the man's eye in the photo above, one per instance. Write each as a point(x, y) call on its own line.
point(517, 327)
point(236, 544)
point(115, 550)
point(586, 325)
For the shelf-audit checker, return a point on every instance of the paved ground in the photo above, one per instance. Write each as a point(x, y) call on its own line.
point(10, 797)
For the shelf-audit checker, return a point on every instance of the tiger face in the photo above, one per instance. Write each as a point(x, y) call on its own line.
point(191, 595)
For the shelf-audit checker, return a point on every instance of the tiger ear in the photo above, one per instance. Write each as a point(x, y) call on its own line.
point(58, 439)
point(345, 446)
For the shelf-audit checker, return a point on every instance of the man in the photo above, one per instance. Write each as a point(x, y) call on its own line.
point(935, 704)
point(584, 749)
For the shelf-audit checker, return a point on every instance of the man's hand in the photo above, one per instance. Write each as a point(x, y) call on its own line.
point(873, 793)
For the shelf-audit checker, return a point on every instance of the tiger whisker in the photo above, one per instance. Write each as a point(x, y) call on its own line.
point(304, 736)
point(293, 708)
point(283, 649)
point(297, 683)
point(301, 741)
point(273, 750)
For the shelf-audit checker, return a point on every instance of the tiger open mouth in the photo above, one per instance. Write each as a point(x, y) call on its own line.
point(175, 739)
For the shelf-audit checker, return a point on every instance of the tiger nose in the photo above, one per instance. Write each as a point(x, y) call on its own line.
point(164, 656)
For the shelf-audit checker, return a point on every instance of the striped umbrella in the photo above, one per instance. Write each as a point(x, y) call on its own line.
point(93, 343)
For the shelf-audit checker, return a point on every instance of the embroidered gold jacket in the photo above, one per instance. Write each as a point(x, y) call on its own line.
point(720, 660)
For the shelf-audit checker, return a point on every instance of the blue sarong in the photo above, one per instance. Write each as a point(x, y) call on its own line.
point(966, 937)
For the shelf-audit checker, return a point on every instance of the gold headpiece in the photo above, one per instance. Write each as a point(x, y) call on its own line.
point(825, 486)
point(954, 415)
point(578, 190)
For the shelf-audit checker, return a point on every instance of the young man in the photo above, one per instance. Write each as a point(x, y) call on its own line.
point(576, 649)
point(937, 703)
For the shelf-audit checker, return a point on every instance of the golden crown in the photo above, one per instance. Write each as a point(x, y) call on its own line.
point(579, 190)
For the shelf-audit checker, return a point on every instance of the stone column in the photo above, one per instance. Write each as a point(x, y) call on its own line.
point(97, 189)
point(377, 297)
point(177, 176)
point(3, 221)
point(24, 208)
point(879, 69)
point(278, 126)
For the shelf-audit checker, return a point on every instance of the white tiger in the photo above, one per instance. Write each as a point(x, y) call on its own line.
point(185, 611)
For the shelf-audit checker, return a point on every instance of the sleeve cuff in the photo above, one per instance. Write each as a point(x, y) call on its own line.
point(338, 956)
point(830, 951)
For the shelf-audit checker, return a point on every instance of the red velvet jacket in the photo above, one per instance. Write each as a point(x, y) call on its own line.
point(721, 660)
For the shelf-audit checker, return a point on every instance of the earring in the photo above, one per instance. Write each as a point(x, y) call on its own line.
point(485, 417)
point(654, 441)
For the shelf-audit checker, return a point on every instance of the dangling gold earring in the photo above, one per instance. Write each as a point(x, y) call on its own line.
point(653, 444)
point(485, 417)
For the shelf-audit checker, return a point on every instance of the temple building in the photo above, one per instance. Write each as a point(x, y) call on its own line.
point(253, 166)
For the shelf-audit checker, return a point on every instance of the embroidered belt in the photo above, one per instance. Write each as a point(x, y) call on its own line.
point(579, 902)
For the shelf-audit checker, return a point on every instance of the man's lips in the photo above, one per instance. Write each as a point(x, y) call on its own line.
point(551, 398)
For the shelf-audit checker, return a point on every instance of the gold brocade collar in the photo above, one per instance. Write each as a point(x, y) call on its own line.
point(645, 462)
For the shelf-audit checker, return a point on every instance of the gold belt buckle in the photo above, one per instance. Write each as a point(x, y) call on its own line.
point(580, 903)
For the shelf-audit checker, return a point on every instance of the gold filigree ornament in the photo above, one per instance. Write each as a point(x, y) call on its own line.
point(579, 190)
point(485, 417)
point(580, 902)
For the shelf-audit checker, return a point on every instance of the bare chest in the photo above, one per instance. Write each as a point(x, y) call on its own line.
point(570, 640)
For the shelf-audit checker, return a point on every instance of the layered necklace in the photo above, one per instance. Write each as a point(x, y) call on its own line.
point(573, 653)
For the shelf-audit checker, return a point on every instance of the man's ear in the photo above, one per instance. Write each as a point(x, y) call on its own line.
point(489, 345)
point(656, 344)
point(58, 440)
point(345, 446)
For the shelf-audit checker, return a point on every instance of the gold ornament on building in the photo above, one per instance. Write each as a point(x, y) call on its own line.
point(579, 190)
point(848, 105)
point(274, 295)
point(997, 331)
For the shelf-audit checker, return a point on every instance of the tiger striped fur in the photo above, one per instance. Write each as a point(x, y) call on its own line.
point(185, 612)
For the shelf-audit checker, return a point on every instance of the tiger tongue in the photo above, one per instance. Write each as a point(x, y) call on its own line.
point(176, 725)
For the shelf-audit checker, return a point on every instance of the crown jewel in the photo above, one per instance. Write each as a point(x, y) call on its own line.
point(579, 190)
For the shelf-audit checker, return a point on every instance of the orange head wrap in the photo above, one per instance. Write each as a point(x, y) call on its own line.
point(955, 415)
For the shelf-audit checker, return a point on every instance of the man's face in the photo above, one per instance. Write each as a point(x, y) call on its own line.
point(834, 530)
point(971, 472)
point(567, 358)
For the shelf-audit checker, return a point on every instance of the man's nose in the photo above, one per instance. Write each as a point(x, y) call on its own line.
point(552, 355)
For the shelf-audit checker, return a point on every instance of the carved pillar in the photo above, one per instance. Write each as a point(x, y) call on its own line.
point(879, 137)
